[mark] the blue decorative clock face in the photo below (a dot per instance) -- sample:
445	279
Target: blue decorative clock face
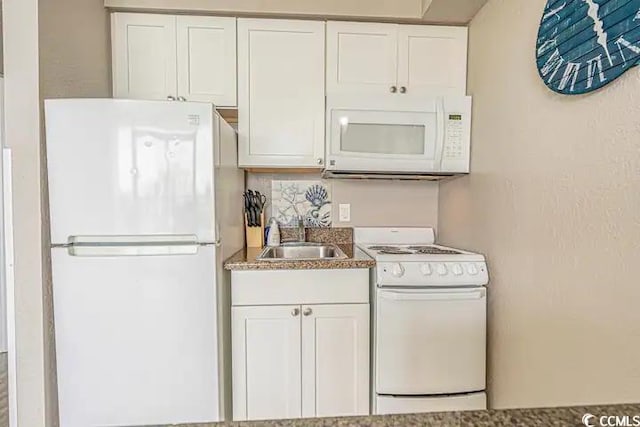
584	45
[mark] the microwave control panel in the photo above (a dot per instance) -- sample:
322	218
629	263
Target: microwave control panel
454	132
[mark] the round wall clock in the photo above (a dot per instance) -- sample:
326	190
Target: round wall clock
584	45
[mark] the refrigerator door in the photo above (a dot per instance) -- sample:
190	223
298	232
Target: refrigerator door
125	167
136	338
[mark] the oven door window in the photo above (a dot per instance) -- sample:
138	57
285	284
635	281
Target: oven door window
430	341
384	134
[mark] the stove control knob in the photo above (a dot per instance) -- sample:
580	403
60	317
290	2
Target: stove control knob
425	269
442	269
457	270
397	270
472	269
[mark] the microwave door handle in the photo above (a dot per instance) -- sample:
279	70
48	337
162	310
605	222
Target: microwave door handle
440	133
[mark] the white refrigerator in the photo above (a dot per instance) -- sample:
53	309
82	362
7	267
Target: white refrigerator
145	203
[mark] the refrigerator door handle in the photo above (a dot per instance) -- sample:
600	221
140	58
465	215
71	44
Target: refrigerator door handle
113	246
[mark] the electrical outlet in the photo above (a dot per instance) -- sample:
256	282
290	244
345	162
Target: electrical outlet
345	212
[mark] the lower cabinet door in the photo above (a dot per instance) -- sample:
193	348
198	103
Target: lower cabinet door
266	362
335	360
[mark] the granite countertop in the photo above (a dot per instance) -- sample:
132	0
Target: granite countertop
551	417
245	259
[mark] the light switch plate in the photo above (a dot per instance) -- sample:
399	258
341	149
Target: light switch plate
345	212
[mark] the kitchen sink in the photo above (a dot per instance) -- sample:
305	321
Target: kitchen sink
301	252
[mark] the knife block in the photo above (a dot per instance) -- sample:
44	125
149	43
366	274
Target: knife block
254	235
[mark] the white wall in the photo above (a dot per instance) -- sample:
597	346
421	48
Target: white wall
554	201
22	121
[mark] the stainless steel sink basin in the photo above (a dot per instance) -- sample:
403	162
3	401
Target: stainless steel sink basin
301	252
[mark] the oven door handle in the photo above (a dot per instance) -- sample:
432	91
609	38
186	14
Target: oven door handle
433	296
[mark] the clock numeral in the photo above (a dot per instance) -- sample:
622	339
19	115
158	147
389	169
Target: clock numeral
570	75
554	12
547	45
554	63
622	42
595	66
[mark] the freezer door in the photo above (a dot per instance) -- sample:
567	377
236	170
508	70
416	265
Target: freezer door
136	338
125	167
430	341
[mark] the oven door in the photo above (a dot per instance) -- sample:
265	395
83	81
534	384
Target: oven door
430	341
403	138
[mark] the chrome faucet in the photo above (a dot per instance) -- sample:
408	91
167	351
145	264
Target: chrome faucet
301	233
301	237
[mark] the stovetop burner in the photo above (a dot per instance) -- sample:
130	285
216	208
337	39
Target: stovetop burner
410	250
431	250
394	252
384	248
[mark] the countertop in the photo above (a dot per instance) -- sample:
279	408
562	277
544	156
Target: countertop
551	417
245	259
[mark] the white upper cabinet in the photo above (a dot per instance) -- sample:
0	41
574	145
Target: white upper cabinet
181	57
432	60
207	59
396	59
361	57
281	93
144	55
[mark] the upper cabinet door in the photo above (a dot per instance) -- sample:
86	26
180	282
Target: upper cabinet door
206	49
144	55
361	58
335	360
281	93
432	60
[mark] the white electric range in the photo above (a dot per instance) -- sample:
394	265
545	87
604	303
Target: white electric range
428	322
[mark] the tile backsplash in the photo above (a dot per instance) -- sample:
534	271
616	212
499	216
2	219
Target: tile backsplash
374	203
310	200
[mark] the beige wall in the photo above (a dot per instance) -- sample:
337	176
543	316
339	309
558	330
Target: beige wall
1	42
373	203
452	11
433	11
75	50
407	9
553	200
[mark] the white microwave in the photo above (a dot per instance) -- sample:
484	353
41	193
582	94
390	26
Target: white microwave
403	136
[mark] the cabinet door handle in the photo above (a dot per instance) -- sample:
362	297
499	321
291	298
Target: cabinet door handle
307	311
394	89
182	98
403	89
319	161
295	312
171	98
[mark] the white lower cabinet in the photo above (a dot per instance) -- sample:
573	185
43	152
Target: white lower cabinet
300	360
266	362
335	360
